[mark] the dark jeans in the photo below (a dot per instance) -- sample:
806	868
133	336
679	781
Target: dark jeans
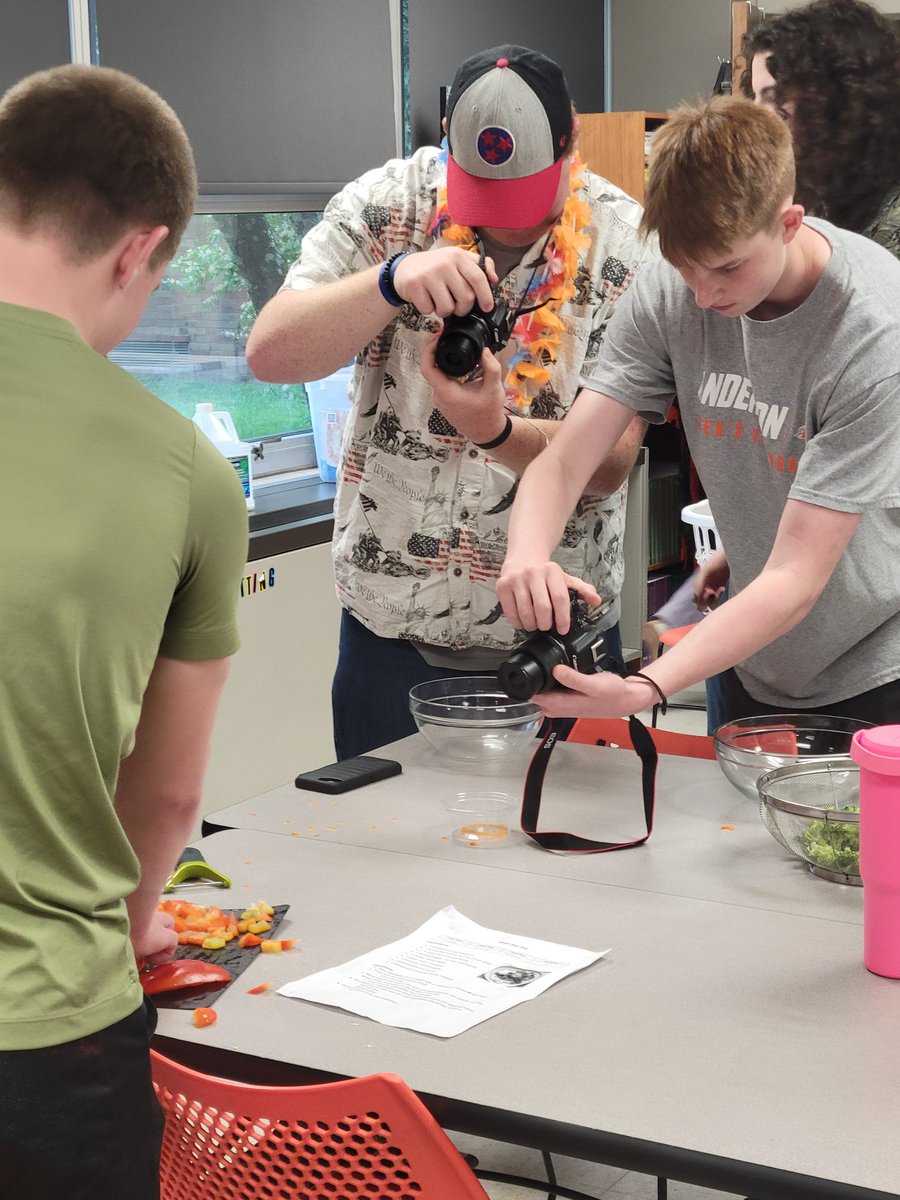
370	692
715	706
80	1120
881	706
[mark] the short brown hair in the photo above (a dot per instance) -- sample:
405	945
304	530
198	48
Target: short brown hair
89	153
719	170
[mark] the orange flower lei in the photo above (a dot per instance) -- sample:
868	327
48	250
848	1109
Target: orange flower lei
536	335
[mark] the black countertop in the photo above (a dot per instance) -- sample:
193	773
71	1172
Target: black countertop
291	516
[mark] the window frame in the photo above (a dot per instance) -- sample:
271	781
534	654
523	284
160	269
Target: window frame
276	454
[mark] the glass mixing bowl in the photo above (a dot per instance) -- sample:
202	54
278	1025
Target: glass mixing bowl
471	719
752	745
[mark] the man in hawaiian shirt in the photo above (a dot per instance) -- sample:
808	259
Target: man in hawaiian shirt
431	487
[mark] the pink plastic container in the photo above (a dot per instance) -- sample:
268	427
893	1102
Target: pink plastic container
877	751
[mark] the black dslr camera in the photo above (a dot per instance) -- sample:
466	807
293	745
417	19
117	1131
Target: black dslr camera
529	669
458	351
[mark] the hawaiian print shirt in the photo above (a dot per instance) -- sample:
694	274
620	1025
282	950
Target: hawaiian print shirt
885	226
420	521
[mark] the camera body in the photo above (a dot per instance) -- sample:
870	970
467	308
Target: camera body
462	339
529	669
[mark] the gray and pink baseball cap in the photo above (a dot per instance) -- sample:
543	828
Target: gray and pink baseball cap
509	127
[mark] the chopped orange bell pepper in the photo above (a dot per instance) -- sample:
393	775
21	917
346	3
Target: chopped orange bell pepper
275	945
204	1016
196	924
247	940
191	938
259	989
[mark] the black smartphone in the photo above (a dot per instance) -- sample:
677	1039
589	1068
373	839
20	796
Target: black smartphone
349	774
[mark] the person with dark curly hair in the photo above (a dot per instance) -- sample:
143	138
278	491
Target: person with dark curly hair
831	70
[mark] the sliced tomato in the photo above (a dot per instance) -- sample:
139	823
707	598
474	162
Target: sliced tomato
182	973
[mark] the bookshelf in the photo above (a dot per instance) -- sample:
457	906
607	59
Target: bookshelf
614	145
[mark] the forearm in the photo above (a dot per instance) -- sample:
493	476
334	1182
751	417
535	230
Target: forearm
774	603
546	496
617	465
158	829
161	782
309	333
529	438
596	431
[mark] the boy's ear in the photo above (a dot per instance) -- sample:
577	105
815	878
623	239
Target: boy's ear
134	251
791	222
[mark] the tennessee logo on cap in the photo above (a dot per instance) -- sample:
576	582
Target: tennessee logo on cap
495	145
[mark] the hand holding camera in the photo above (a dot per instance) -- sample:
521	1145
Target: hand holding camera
476	405
445	281
529	669
534	596
463	339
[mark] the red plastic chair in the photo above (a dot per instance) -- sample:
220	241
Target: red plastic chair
225	1140
612	731
671	637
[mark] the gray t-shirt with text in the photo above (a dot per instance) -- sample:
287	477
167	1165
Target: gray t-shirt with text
803	407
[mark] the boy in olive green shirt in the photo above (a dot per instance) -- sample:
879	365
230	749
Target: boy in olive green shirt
122	554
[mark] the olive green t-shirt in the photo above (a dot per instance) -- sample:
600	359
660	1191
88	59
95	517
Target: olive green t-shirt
123	535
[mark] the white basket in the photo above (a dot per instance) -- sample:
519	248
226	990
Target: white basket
706	537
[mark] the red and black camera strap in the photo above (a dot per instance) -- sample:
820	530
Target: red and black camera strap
555	730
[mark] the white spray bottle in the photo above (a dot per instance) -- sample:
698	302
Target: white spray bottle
219	428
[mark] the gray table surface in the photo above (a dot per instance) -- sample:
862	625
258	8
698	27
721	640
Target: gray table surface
588	790
737	1045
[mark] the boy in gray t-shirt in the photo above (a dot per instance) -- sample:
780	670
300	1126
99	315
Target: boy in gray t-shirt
781	338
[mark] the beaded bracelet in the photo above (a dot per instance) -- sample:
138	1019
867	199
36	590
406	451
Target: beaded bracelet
386	280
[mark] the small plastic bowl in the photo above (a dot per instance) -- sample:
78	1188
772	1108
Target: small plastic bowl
750	746
481	820
471	719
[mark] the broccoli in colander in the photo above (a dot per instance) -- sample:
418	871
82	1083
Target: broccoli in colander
834	845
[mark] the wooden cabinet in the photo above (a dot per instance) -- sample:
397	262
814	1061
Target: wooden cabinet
614	145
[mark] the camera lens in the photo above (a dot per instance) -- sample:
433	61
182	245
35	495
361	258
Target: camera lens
458	352
522	675
462	340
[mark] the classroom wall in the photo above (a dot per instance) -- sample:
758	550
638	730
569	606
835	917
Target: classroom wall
666	51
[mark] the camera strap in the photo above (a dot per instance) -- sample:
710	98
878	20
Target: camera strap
557	729
520	310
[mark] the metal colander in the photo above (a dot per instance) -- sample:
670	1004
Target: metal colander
812	809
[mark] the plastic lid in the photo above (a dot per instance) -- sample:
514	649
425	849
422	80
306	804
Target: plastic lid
878	749
204	408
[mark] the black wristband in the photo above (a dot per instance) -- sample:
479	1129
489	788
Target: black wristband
386	280
663	702
499	439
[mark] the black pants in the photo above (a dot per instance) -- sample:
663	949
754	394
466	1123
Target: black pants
881	706
80	1121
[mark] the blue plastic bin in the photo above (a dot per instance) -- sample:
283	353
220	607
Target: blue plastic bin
329	405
